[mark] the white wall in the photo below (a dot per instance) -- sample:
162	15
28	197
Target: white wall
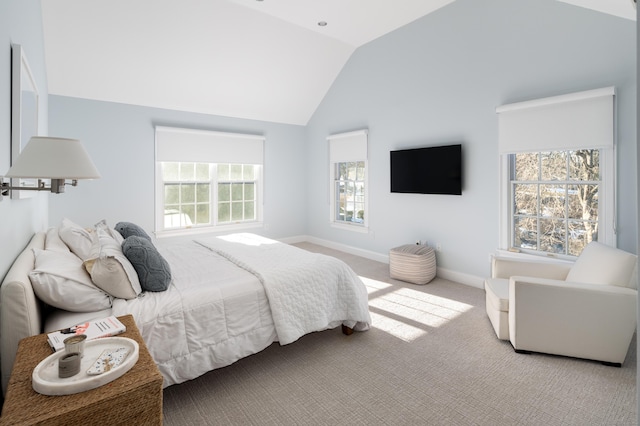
120	140
20	23
438	81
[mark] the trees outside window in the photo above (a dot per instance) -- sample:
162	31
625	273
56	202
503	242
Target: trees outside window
554	198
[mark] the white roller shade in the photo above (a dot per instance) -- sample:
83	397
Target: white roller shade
350	146
575	121
188	145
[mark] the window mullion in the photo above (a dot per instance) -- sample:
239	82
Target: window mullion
213	193
566	217
566	202
538	217
512	212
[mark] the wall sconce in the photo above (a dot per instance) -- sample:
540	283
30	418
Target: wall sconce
58	159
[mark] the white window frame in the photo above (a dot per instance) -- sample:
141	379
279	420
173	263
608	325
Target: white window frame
606	206
256	181
549	128
174	144
343	148
179	182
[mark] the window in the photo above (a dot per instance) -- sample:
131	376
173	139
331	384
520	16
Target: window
557	169
198	185
236	185
555	200
188	194
349	192
187	198
348	171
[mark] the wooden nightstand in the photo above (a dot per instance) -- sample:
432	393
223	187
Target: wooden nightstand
133	399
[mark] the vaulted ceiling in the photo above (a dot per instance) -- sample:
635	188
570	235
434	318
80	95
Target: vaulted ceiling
271	60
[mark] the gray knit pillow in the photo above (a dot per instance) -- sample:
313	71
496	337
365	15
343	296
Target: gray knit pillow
127	229
152	269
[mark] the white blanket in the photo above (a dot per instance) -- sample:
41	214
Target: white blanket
307	292
215	313
212	315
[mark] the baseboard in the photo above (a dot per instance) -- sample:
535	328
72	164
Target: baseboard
447	274
294	240
367	254
461	277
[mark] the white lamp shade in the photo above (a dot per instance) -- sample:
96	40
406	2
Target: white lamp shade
53	158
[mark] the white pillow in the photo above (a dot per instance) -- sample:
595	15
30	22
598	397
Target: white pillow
53	242
112	232
77	238
59	280
110	269
600	264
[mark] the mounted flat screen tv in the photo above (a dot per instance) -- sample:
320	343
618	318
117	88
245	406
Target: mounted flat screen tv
428	170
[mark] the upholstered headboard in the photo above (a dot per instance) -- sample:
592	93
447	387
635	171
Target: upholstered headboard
21	313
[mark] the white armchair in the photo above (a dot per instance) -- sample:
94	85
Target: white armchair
585	310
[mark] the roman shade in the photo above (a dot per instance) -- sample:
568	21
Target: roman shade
583	120
203	146
350	146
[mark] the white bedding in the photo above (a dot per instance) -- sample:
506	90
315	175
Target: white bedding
212	314
215	313
307	292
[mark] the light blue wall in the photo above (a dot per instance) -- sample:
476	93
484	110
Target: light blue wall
20	23
437	81
120	140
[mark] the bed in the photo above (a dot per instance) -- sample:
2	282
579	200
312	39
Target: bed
226	297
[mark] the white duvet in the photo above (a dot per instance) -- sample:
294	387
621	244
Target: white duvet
230	299
307	291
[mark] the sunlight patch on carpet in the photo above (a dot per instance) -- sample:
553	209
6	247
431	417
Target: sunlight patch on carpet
396	328
407	313
374	285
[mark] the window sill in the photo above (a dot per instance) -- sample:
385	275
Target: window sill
208	230
551	258
355	228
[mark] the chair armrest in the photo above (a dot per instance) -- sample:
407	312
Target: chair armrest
573	319
506	267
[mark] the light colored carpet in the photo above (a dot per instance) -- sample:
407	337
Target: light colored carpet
431	358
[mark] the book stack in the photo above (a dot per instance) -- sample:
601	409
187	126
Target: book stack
94	329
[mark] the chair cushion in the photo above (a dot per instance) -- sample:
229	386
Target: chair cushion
498	293
601	264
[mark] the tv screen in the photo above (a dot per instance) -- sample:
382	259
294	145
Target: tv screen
429	170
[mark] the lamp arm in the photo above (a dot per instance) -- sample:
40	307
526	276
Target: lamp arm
56	186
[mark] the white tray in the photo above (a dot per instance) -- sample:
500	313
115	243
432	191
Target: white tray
45	376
